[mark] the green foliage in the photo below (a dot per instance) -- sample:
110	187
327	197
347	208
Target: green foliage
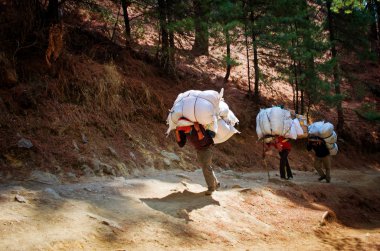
231	61
182	26
347	6
368	111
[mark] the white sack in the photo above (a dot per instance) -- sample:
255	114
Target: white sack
225	131
326	130
274	121
288	129
292	133
258	129
231	118
314	128
332	139
223	109
276	118
298	128
264	121
334	149
197	106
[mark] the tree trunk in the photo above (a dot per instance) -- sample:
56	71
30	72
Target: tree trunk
309	83
201	42
128	39
53	11
255	59
170	17
228	69
162	14
377	4
336	76
247	52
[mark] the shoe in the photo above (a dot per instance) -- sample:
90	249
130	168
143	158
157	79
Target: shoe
328	180
290	178
322	178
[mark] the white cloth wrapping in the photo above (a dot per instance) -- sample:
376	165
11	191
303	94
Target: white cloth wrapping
327	133
226	114
332	139
275	121
225	131
333	148
315	128
297	126
326	130
196	106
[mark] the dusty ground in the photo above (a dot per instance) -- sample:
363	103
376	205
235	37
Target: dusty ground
168	210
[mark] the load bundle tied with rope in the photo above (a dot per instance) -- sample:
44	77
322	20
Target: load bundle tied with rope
275	121
208	109
325	131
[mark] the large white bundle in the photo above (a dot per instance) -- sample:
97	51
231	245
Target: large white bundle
226	114
326	130
196	106
225	131
260	134
292	133
287	127
297	126
327	133
314	128
263	122
333	148
274	121
212	96
231	118
332	139
223	109
195	110
276	118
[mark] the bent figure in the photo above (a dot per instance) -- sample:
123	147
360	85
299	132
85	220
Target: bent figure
202	140
322	157
283	146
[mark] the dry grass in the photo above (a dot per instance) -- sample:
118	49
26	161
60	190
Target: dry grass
104	88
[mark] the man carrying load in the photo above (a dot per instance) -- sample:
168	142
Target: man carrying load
202	140
322	157
283	146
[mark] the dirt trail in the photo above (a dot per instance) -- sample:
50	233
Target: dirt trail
168	210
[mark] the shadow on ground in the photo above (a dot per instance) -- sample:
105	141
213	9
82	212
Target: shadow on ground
180	204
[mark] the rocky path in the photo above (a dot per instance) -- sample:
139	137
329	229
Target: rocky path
167	210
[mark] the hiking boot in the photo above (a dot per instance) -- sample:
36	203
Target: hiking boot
322	177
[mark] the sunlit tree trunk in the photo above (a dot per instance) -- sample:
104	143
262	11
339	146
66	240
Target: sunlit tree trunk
228	43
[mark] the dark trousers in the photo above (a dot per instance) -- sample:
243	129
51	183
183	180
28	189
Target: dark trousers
285	174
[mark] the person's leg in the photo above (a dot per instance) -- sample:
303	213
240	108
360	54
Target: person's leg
204	158
327	166
318	167
282	164
289	173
